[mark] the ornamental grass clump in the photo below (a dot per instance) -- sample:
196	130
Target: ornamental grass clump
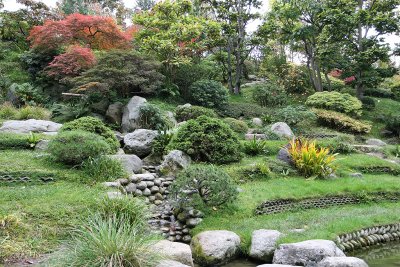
310	160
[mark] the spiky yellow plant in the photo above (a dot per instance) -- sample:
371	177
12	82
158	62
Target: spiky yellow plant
310	160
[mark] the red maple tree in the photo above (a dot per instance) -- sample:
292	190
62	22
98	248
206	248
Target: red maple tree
96	32
71	63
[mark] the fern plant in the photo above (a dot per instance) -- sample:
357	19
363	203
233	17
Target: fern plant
255	147
310	160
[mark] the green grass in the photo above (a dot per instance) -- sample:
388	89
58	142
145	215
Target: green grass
384	107
46	212
318	223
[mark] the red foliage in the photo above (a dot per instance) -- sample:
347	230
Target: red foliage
336	73
72	63
95	31
349	80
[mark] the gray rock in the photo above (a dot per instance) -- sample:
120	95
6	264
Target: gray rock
282	129
111	184
356	175
284	155
131	163
257	122
139	142
131	188
263	244
306	253
142	177
146	192
142	185
175	161
119	136
168	263
215	247
101	106
275	265
26	126
138	193
171	117
342	262
375	142
131	114
114	195
174	251
114	113
192	222
251	136
42	145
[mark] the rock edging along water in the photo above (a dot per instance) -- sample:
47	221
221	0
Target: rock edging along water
283	205
369	237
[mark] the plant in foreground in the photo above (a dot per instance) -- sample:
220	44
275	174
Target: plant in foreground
112	242
255	147
310	160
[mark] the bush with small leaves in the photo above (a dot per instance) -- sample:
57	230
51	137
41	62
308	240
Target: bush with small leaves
393	124
74	147
368	103
33	112
208	140
237	126
269	94
188	112
161	143
293	115
151	117
14	141
341	122
8	111
245	110
335	101
208	93
103	169
340	144
93	125
395	88
379	92
202	186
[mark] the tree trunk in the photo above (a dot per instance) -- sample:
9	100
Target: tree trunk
360	83
239	48
229	65
328	81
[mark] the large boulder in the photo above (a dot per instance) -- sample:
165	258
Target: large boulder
139	142
32	125
275	265
215	247
375	142
342	262
175	161
114	113
169	263
174	251
282	129
131	163
284	155
263	244
257	122
42	145
306	253
131	114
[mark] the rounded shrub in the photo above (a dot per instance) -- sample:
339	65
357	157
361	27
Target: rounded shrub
74	147
269	94
237	126
336	101
208	140
368	103
208	93
93	125
341	122
202	186
188	112
293	115
151	117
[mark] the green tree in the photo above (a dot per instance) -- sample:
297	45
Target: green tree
359	28
172	33
235	15
145	4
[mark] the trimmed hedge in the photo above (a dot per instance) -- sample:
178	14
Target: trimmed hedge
74	147
341	122
336	101
208	140
188	112
93	125
208	93
237	126
246	110
14	141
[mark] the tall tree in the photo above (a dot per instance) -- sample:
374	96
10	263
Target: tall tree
235	15
359	27
172	33
145	4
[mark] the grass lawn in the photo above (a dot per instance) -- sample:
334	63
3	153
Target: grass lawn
46	212
317	223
